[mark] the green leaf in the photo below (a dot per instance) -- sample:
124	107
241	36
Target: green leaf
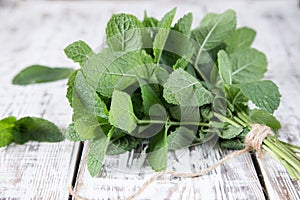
100	108
178	49
6	126
121	113
264	94
150	96
137	103
248	65
149	21
160	75
79	52
183	89
71	133
85	102
234	144
212	31
230	132
36	129
110	70
123	144
41	74
184	24
180	138
162	35
158	151
235	97
225	66
70	88
123	33
241	38
97	152
262	117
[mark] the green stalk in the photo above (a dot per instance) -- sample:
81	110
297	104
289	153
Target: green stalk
285	148
294	148
282	152
245	119
286	165
172	123
241	122
226	119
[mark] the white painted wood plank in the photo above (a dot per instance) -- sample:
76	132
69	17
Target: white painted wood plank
56	24
34	170
124	174
285	71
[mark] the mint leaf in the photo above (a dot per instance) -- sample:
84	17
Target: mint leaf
262	117
230	132
150	96
212	31
180	138
70	88
160	75
183	89
184	24
123	144
234	144
123	33
178	49
97	152
164	27
36	129
110	70
121	113
264	94
150	22
225	65
235	98
158	151
79	52
6	126
248	65
241	38
41	74
72	135
84	103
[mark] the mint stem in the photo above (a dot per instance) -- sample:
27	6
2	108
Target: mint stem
172	123
282	152
225	119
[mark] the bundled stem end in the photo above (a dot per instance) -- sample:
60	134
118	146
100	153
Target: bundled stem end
285	153
261	138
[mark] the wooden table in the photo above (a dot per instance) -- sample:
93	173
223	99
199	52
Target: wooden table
37	32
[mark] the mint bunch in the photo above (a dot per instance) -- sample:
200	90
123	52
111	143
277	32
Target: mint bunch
156	86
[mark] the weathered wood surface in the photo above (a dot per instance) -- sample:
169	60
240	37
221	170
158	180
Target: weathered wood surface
37	32
34	170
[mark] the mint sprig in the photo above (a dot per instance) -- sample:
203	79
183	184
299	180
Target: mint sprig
28	129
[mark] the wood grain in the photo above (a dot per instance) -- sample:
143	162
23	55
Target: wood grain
36	32
124	174
34	170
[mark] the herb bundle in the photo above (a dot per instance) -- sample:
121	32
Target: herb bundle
172	87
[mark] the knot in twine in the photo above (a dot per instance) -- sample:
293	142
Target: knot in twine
256	136
253	140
